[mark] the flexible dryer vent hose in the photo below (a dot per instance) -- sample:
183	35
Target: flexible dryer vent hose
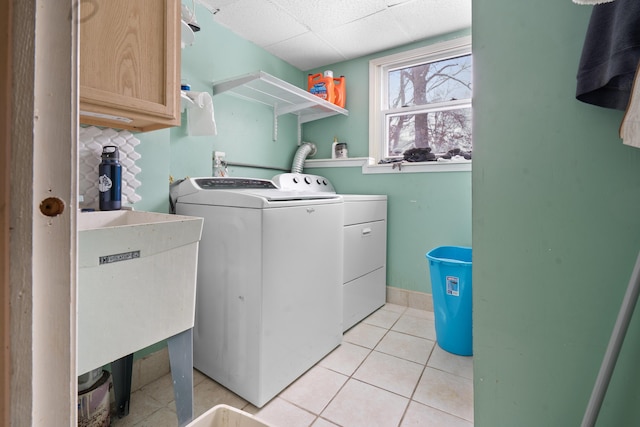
306	149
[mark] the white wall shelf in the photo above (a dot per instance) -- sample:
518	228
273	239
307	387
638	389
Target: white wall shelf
282	97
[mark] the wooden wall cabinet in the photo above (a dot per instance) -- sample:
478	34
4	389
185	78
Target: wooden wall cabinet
130	64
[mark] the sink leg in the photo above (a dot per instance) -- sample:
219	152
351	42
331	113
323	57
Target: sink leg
121	372
181	360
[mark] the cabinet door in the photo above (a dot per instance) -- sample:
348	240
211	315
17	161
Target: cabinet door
129	63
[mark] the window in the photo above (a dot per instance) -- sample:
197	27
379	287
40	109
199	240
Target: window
421	100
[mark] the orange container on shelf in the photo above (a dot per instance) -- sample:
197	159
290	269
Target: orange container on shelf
341	91
322	86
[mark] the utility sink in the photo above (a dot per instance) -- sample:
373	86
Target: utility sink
136	282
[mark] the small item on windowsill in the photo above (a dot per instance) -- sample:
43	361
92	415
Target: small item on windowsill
456	154
341	150
390	160
424	154
419	155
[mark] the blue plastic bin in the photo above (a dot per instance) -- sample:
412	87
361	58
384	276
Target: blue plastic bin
450	268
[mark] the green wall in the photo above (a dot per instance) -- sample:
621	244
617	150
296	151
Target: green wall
556	228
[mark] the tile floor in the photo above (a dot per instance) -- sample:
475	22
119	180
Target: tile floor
388	372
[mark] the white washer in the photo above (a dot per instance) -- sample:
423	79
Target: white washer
269	290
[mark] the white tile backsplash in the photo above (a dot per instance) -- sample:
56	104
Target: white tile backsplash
91	141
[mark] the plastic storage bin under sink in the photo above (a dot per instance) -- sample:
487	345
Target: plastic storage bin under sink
136	281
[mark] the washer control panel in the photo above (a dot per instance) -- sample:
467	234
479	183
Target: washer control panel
303	182
227	183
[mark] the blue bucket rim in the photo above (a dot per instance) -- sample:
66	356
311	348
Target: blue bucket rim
449	260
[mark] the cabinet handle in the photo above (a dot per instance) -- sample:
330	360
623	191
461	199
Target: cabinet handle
366	231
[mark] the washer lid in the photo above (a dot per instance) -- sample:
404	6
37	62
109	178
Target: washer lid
246	192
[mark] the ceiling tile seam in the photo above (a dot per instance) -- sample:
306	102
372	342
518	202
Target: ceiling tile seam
303	23
326	43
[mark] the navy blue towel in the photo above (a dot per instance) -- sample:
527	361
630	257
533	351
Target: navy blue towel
610	54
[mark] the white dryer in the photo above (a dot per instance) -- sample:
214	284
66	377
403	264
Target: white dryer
365	245
365	256
269	286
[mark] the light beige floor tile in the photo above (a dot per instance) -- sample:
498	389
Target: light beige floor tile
208	394
424	314
383	318
394	307
447	392
314	389
164	417
405	346
160	389
452	363
346	358
362	405
198	377
323	423
390	373
141	406
419	415
281	413
417	326
127	421
365	335
250	408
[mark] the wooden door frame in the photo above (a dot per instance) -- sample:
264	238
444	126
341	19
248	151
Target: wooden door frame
5	155
41	211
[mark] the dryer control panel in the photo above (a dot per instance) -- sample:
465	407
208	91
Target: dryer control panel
303	182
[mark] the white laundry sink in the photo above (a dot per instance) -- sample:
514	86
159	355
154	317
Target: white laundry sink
136	282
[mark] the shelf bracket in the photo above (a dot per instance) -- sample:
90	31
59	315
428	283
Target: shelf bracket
276	114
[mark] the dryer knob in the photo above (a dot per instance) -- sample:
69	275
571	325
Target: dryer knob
307	180
295	179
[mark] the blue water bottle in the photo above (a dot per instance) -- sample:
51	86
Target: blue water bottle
110	179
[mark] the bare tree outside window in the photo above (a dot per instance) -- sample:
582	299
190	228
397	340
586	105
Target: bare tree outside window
429	105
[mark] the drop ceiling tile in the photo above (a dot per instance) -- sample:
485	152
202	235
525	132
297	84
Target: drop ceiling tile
261	22
306	51
214	4
371	34
322	15
424	19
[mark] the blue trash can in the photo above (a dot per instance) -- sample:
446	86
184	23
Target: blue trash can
450	268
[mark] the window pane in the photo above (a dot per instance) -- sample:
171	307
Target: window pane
440	130
427	83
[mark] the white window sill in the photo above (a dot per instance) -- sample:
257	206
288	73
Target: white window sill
369	166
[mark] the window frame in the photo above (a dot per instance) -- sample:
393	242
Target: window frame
378	90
